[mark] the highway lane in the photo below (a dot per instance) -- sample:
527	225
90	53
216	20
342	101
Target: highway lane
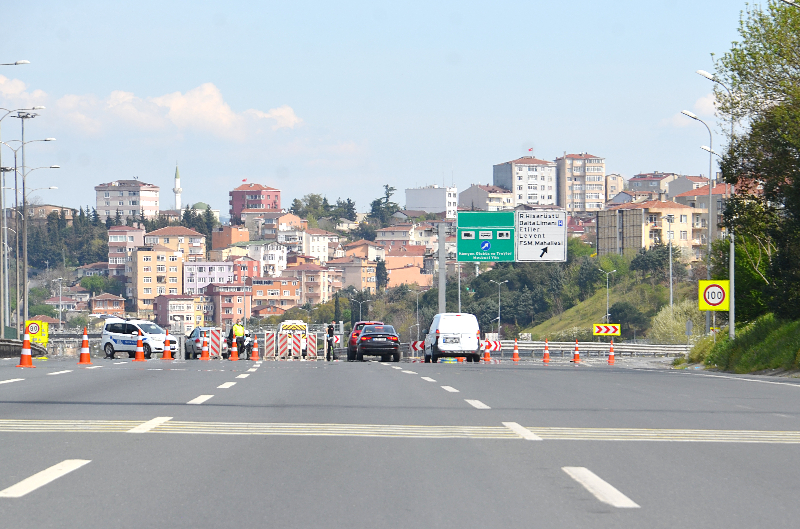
240	472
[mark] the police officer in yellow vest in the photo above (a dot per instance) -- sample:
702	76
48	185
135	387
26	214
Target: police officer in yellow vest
236	333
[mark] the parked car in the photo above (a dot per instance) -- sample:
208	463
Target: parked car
377	340
453	334
352	343
122	336
193	346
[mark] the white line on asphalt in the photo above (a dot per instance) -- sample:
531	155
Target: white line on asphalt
149	425
395	367
60	372
428	379
599	488
226	385
477	404
385	364
748	380
10	380
154	369
252	370
93	367
450	389
43	478
410	372
199	400
522	431
243	375
118	363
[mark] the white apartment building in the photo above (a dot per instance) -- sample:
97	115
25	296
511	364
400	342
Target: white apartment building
581	182
270	255
433	199
530	181
478	197
317	242
131	198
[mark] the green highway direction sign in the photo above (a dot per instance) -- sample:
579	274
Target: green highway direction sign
485	236
527	235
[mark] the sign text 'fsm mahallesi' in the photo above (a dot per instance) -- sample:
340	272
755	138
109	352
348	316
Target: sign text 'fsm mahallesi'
541	235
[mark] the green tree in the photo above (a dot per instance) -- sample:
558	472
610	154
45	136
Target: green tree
630	318
381	274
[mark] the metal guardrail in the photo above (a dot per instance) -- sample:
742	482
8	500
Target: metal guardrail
598	348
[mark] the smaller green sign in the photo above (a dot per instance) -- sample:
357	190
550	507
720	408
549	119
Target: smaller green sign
482	219
485	244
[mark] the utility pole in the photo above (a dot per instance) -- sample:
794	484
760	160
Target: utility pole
442	267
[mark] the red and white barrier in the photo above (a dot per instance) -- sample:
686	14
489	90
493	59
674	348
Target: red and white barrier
269	345
283	345
418	346
311	346
491	345
297	345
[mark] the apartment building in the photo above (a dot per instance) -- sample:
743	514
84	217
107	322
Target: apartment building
184	240
402	234
283	292
244	267
315	286
155	270
685	183
180	314
317	243
122	241
107	305
38	213
615	185
357	272
198	275
228	303
224	236
131	198
266	225
270	255
371	251
478	197
530	180
581	182
698	199
254	197
433	199
633	226
655	183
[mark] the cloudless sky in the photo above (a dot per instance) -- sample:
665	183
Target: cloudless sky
340	98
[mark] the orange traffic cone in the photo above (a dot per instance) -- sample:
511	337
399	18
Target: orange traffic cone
515	356
204	350
254	354
487	356
234	357
460	358
611	353
139	350
546	356
25	355
576	357
167	349
84	358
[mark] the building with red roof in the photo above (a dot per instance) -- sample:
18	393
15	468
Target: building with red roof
253	196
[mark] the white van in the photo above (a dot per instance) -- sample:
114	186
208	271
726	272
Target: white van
453	334
293	327
120	336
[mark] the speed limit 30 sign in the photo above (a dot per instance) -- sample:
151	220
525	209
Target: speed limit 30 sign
714	295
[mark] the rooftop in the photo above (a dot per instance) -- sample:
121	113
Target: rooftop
170	231
719	189
651	204
255	187
530	160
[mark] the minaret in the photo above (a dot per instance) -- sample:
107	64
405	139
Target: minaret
177	189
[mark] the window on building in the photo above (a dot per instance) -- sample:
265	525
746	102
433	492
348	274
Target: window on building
173	258
147	280
684	235
173	279
161	268
160	290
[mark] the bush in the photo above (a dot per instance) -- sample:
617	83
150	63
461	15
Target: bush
766	343
701	349
669	325
575	333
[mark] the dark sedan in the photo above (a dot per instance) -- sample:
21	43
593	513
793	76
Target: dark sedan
378	340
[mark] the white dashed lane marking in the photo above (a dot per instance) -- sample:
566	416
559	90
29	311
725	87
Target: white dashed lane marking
478	404
226	385
243	375
10	380
450	389
521	431
428	379
118	363
410	372
199	400
93	367
395	367
149	425
600	489
43	478
252	370
60	372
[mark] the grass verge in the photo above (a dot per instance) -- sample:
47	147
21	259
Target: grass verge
766	343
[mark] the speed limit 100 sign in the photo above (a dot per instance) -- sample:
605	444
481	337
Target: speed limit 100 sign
715	295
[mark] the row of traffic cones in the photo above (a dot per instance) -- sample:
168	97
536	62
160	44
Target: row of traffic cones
576	357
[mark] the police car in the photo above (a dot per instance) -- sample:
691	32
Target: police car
120	336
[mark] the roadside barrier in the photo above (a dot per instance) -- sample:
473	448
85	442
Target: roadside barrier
297	345
214	343
576	358
167	355
611	354
254	354
546	354
535	349
139	349
204	350
234	356
311	346
85	358
269	345
283	346
515	357
25	355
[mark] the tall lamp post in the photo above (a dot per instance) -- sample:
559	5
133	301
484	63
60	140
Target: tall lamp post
607	274
732	312
710	206
498	303
359	306
670	234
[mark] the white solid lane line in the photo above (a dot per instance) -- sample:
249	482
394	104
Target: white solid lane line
43	478
478	404
522	431
252	370
199	400
10	380
599	488
429	379
409	372
226	385
149	425
243	375
60	372
746	379
450	389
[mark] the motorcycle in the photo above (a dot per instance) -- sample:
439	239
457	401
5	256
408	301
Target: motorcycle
244	346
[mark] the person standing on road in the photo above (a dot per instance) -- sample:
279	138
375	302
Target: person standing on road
331	330
237	332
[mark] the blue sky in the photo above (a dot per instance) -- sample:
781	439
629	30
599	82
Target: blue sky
341	98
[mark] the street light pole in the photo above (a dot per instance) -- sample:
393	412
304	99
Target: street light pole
360	318
607	274
710	206
670	235
498	303
60	285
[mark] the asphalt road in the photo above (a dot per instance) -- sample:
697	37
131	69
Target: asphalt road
366	445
